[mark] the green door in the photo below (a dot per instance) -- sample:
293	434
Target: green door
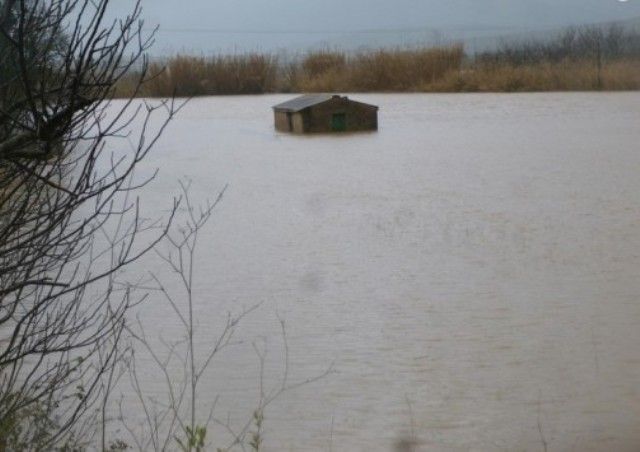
339	122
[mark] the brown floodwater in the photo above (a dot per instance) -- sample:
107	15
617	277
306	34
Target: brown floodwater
471	271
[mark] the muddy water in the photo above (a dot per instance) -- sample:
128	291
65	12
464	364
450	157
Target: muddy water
471	271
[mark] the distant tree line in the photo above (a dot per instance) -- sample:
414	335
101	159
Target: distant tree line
574	43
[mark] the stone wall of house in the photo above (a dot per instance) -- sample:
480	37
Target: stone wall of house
319	118
359	116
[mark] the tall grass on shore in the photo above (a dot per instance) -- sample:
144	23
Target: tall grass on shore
376	71
187	76
588	58
578	59
318	71
571	75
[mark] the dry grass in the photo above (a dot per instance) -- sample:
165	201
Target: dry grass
571	62
563	76
186	76
381	70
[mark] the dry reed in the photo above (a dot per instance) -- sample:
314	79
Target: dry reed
582	75
578	59
186	76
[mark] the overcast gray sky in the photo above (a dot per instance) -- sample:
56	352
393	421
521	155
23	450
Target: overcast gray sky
214	25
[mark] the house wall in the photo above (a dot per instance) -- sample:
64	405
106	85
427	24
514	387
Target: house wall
282	122
319	118
359	116
299	123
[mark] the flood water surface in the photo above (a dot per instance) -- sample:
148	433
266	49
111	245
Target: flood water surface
470	272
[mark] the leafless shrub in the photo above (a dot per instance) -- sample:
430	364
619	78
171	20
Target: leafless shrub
69	218
174	419
573	44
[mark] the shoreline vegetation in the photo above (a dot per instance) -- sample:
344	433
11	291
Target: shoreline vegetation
578	59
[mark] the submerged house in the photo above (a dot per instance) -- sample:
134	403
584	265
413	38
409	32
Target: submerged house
321	113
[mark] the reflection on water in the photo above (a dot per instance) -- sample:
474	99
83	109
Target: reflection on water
472	269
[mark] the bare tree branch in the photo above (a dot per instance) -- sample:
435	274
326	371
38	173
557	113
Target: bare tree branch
70	221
